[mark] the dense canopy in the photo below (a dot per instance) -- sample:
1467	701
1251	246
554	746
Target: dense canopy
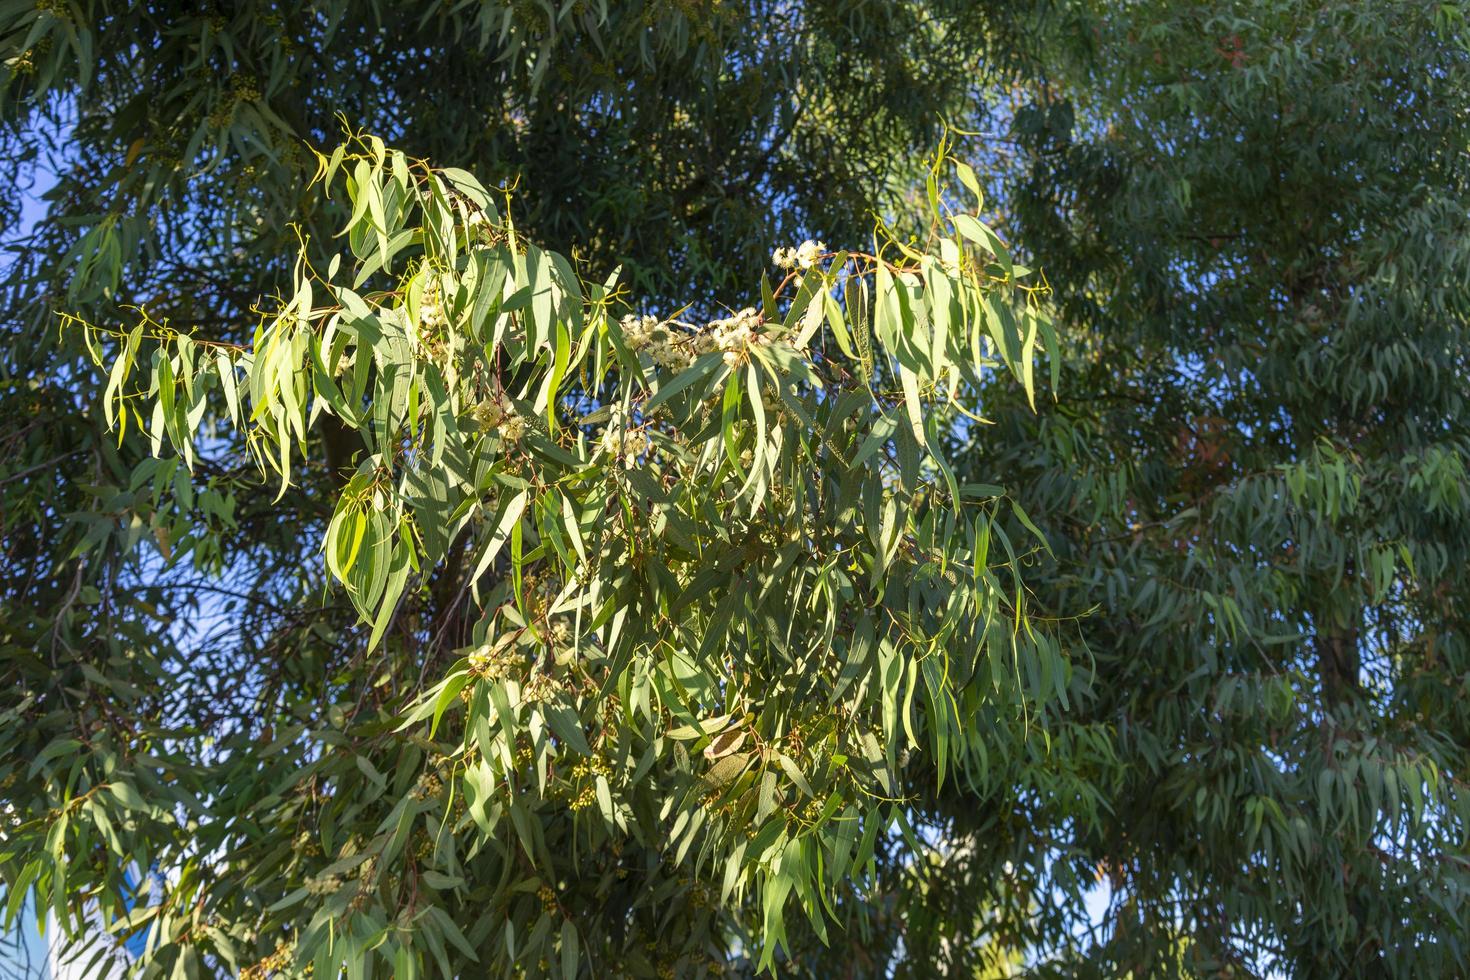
443	539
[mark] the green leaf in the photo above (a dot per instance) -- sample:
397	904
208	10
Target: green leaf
568	727
510	516
570	951
128	796
912	403
449	693
794	774
727	769
707	726
967	177
697	371
1025	519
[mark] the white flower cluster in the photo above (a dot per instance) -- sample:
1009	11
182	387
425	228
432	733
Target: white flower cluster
638	330
624	441
481	661
731	335
431	307
627	444
652	337
804	256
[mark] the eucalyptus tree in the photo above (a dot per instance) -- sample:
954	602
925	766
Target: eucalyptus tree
168	628
631	635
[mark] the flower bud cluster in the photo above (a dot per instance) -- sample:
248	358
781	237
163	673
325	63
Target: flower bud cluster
272	965
592	766
540	687
588	769
428	785
491	663
584	798
499	414
322	885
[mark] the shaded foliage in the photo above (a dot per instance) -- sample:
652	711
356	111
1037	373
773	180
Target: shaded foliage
1255	215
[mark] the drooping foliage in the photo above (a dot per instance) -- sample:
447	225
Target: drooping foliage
718	604
169	628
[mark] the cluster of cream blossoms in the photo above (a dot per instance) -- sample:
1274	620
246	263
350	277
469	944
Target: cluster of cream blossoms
803	256
427	785
732	334
675	350
625	442
494	661
431	306
653	337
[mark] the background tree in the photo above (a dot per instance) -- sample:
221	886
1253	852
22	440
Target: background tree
1255	218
